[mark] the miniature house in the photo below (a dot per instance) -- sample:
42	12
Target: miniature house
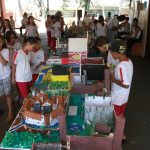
40	113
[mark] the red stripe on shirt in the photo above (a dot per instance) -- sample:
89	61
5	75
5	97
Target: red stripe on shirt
15	56
121	74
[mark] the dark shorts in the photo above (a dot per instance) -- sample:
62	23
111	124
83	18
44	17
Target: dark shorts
5	86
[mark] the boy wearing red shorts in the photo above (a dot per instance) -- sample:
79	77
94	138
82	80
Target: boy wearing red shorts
21	71
121	78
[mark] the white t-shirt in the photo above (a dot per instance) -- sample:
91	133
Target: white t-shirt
24	21
36	59
100	30
57	27
4	70
52	31
12	50
113	22
31	31
123	72
23	70
111	60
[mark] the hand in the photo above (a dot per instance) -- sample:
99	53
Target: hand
112	76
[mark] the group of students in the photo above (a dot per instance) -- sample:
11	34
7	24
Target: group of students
28	23
114	27
19	67
20	63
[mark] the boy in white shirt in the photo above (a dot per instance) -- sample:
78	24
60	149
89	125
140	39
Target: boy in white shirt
21	71
121	78
37	59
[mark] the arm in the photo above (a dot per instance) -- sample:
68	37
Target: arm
41	63
14	74
37	19
119	82
2	60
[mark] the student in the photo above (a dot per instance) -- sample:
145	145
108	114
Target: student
101	28
21	71
31	28
12	22
5	79
108	17
24	22
6	26
37	59
13	44
48	28
102	47
121	78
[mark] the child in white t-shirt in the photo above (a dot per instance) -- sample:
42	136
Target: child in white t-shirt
21	71
37	60
12	44
121	77
24	22
5	79
31	28
56	31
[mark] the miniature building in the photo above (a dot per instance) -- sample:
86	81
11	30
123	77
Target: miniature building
42	112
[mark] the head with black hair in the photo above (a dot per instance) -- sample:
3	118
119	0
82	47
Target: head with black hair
100	44
30	43
101	20
38	45
117	48
101	40
6	25
121	18
109	14
135	22
11	37
31	21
